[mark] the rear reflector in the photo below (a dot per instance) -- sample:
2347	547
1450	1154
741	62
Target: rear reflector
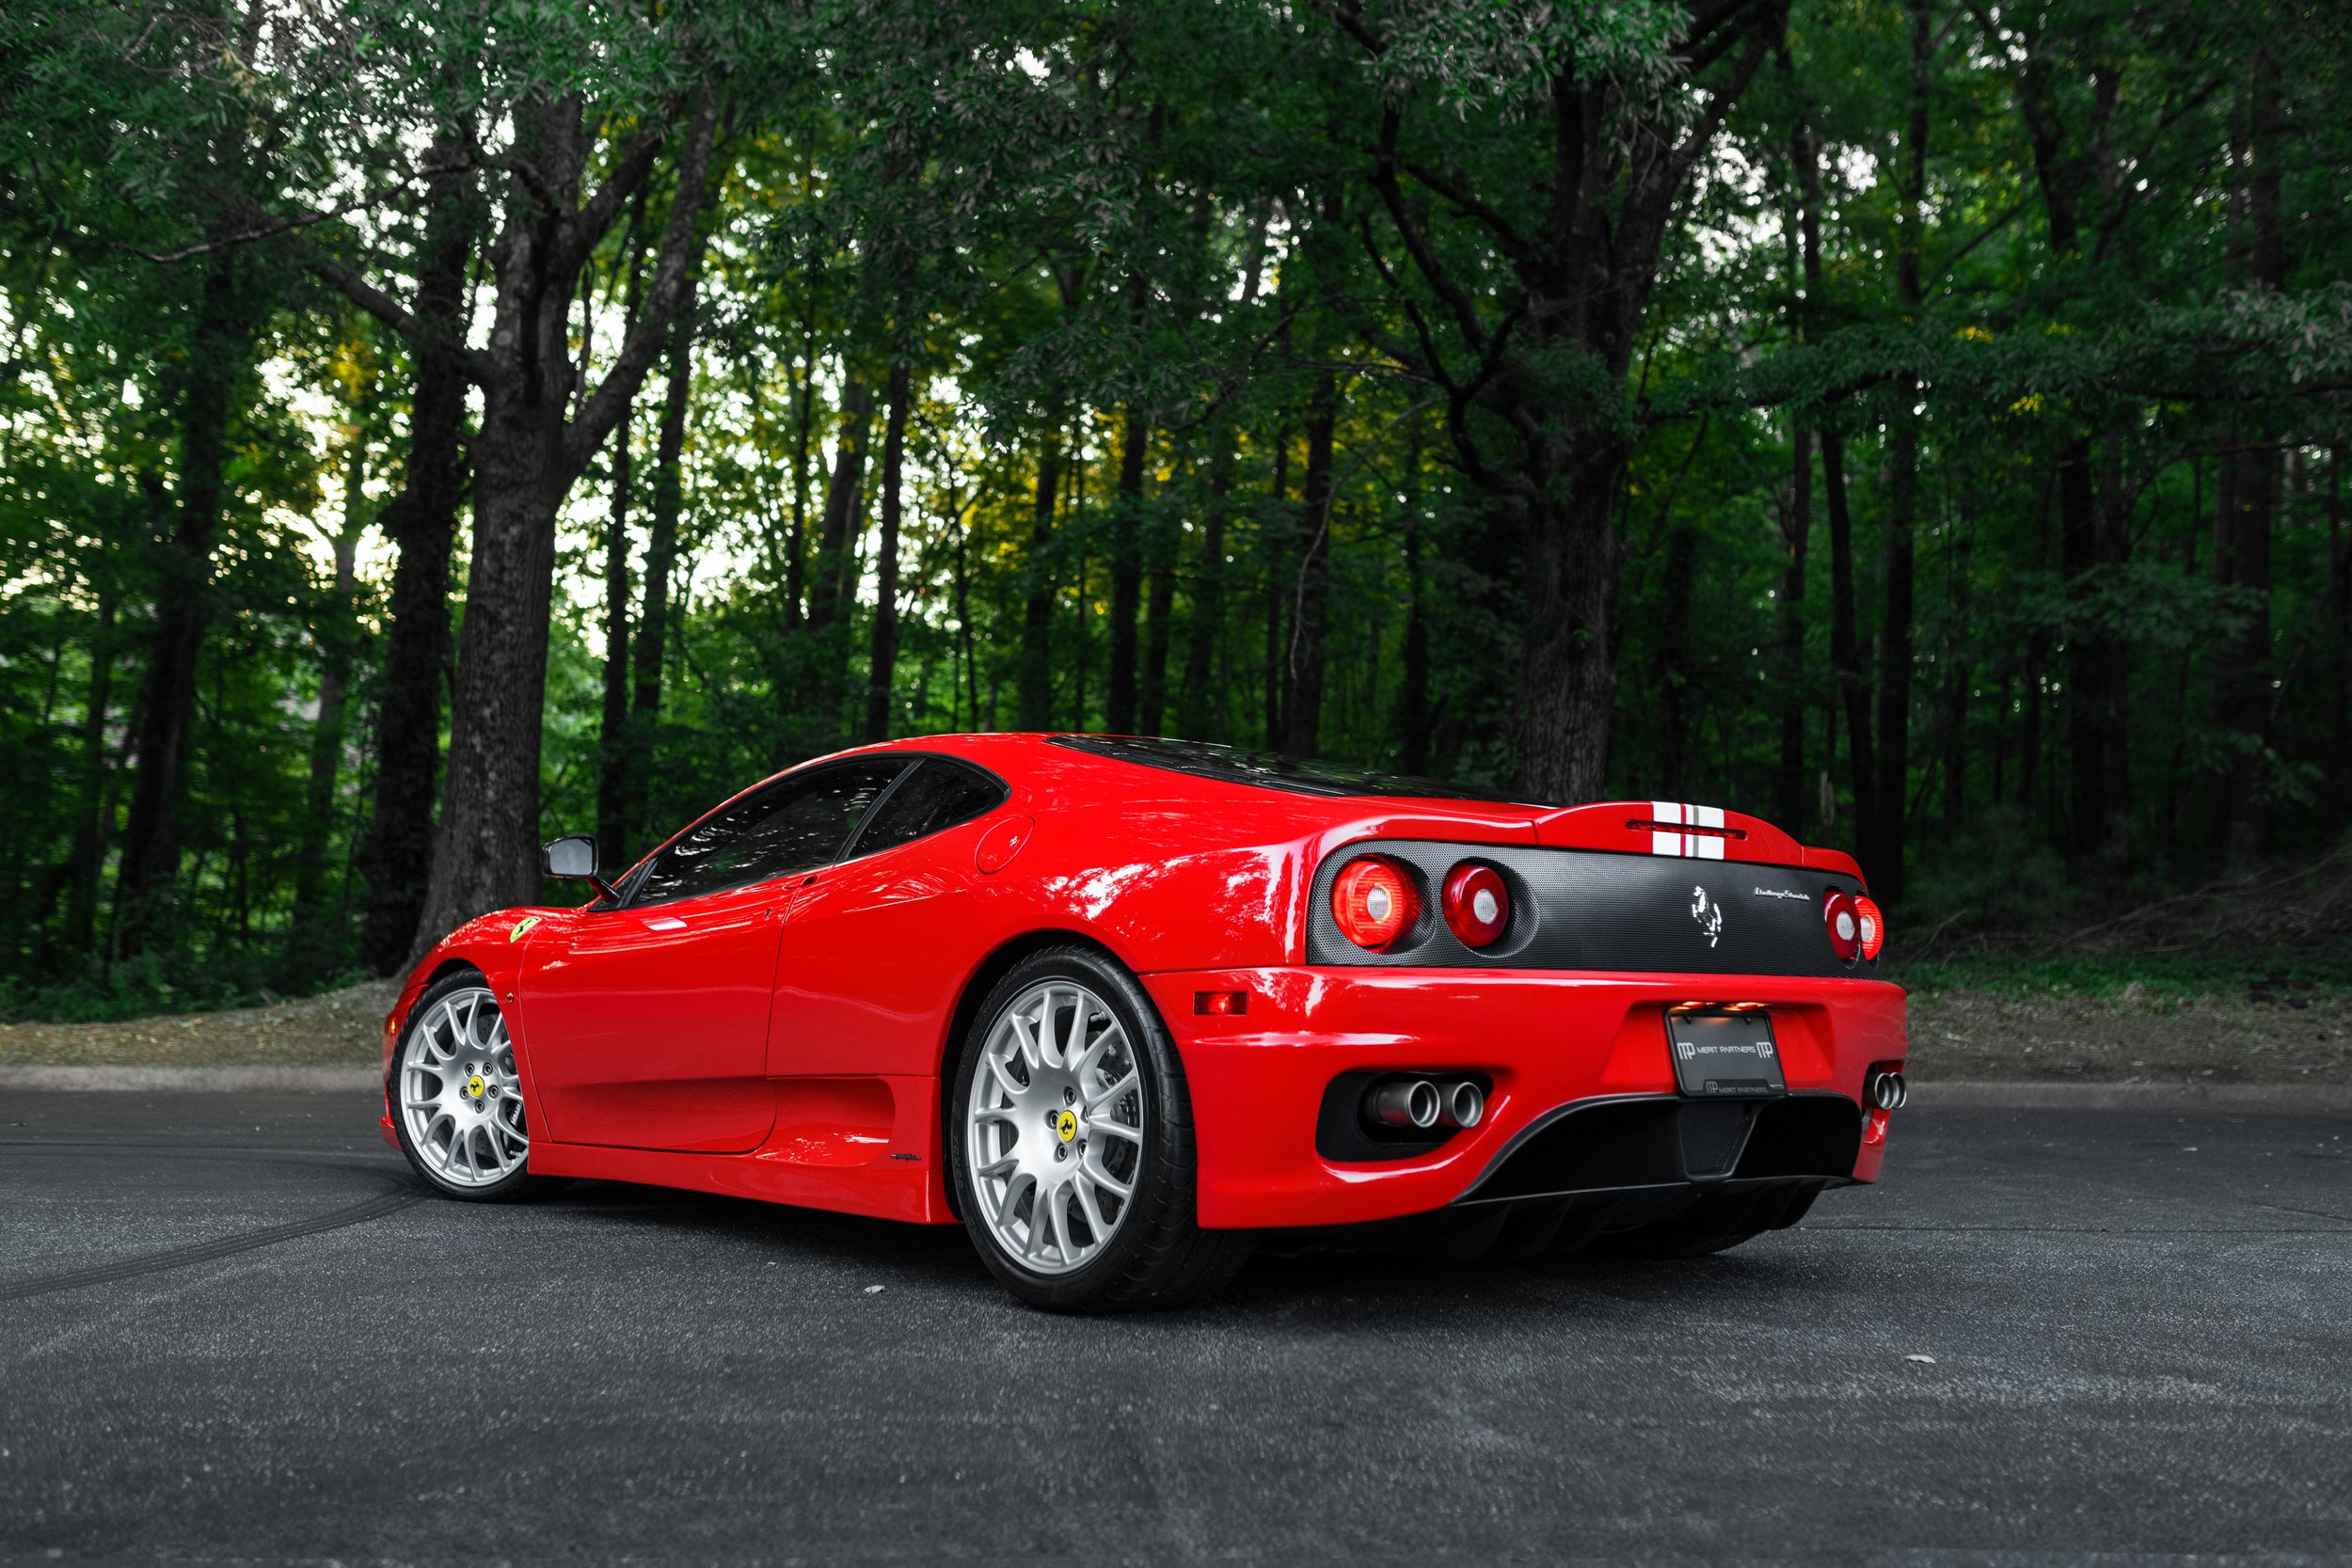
1220	1003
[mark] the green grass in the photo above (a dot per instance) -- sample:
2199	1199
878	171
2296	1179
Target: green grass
146	987
2266	973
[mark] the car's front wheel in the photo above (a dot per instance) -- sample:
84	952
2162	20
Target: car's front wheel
1072	1143
458	1103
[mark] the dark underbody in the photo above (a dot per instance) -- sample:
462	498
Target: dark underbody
1600	1167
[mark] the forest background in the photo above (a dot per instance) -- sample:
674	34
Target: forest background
426	429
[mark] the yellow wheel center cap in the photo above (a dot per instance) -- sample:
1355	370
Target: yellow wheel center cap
475	1087
1066	1125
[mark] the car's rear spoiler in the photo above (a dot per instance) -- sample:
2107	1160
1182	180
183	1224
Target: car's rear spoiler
1680	829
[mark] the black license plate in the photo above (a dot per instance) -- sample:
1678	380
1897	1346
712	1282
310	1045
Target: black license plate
1725	1055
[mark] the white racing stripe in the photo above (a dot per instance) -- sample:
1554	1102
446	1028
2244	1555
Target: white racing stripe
1664	841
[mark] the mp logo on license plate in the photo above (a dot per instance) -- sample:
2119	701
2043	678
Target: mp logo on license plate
1725	1055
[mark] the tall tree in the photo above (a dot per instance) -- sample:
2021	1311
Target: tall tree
655	632
1126	570
530	451
616	763
883	660
336	633
1526	297
229	295
1310	592
421	520
1882	855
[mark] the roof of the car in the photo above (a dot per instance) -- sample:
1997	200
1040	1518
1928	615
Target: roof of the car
1132	766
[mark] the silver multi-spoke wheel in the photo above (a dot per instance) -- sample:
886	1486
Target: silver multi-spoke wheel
1053	1127
460	1102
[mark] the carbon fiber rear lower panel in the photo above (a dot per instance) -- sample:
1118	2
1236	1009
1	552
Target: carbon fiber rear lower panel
1592	910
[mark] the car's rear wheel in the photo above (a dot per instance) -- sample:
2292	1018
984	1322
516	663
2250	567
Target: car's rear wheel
1072	1143
456	1099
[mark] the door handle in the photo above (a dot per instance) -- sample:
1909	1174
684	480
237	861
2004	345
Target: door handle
665	923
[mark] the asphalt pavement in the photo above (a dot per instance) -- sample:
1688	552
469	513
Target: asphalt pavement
233	1327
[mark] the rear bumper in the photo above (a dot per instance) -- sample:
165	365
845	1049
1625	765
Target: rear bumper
1559	1049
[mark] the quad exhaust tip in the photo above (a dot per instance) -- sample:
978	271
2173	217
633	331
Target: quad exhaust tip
1423	1103
1888	1091
1404	1102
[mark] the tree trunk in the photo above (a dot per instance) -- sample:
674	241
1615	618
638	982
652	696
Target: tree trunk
614	761
1126	572
1208	603
1959	676
88	854
1796	530
1675	635
1413	701
151	844
1797	533
1275	547
1581	276
1082	579
883	666
1845	643
1568	683
1303	667
335	639
2089	702
422	522
843	493
669	494
1035	685
1159	604
1882	861
528	456
804	429
2242	699
2338	799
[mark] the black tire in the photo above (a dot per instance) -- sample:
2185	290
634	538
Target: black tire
1711	1225
1157	1254
513	1185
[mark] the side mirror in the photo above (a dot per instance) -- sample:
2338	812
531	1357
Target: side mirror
573	858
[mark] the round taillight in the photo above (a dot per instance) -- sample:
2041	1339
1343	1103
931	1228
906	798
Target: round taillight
1477	905
1845	925
1873	926
1372	902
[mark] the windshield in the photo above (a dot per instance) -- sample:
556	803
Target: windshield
1272	770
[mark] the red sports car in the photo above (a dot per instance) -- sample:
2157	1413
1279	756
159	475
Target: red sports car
1123	1006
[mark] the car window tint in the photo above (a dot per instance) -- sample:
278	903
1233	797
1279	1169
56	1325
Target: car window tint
798	823
940	794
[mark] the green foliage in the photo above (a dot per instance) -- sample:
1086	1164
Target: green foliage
1060	219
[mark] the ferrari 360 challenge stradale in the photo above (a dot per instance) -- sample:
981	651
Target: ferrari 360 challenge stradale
1123	1006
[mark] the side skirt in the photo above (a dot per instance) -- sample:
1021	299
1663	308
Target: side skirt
866	1146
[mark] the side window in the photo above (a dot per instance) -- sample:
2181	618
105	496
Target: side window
798	823
939	796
